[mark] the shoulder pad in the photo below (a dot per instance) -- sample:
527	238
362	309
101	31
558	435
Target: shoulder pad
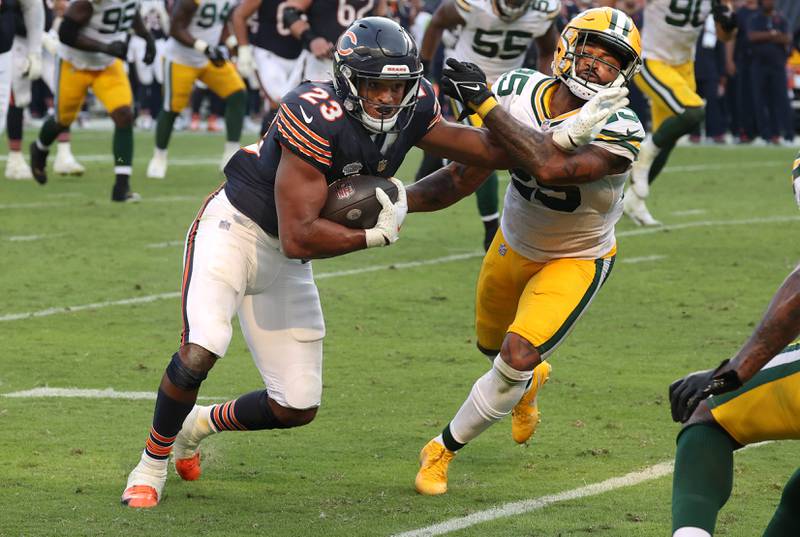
309	117
465	7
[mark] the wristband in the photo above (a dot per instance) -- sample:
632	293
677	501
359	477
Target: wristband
485	107
200	46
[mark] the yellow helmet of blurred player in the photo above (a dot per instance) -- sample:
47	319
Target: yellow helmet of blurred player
610	28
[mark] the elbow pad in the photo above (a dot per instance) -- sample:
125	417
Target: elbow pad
68	31
292	15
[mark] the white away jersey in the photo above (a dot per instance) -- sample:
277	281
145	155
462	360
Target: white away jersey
111	20
206	24
671	29
549	222
497	46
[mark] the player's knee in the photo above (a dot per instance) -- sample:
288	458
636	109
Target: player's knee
293	417
701	416
196	358
695	115
122	116
520	353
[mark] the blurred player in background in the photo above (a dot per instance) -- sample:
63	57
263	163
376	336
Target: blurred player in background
556	244
753	397
669	42
150	76
194	52
94	42
318	25
33	15
494	35
273	54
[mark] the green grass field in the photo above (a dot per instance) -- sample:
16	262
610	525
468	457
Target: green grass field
399	359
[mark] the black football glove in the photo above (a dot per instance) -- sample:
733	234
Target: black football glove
466	83
724	15
150	49
118	49
686	393
218	55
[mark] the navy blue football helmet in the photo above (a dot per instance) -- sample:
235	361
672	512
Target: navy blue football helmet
377	48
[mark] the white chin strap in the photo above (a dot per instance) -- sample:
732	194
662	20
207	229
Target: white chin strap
583	89
378	125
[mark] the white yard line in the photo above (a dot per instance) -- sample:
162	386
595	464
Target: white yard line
650	473
168	244
28	238
187	161
81	203
643	259
108	393
689	212
707	223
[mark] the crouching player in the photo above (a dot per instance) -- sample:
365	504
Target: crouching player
753	397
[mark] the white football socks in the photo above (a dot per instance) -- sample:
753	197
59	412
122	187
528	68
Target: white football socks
492	397
691	532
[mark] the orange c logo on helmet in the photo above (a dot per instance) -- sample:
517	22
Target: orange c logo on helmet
353	42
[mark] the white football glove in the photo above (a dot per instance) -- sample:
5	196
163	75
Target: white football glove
387	229
50	43
34	70
245	63
582	128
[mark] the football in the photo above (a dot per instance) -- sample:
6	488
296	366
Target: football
352	202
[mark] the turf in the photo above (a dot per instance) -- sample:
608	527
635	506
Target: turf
399	359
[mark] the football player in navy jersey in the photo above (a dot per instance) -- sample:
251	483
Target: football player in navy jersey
245	251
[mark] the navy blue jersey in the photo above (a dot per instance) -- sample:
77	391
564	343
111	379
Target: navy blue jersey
272	34
323	22
313	125
7	24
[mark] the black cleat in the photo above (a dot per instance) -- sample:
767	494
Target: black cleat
38	163
125	196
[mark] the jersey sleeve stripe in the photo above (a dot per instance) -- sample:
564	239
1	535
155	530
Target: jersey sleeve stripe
796	168
317	138
435	120
303	150
298	137
633	147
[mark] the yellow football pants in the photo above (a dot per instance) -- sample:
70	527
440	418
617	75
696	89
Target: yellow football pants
179	80
767	407
110	85
671	89
539	301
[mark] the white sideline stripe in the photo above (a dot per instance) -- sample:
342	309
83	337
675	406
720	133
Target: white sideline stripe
689	212
324	275
704	167
172	161
26	238
643	259
175	294
108	393
167	244
650	473
708	223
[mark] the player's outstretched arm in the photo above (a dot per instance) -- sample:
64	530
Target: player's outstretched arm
33	15
779	327
241	13
444	187
300	195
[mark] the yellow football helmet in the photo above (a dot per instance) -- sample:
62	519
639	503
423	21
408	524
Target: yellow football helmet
605	26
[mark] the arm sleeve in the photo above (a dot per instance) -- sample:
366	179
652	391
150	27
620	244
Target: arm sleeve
33	15
622	135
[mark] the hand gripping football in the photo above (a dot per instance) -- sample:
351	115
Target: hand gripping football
352	202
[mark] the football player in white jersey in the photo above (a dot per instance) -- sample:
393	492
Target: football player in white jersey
575	142
94	41
494	35
193	53
667	78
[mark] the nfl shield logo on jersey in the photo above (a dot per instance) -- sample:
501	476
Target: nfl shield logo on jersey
502	249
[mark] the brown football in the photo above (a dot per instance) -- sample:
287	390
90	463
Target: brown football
352	202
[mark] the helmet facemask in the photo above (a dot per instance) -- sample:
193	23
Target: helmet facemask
575	47
354	102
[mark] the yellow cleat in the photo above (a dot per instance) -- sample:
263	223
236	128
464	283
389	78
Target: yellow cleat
525	416
433	462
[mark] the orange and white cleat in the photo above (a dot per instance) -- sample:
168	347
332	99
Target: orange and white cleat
434	459
145	484
525	415
186	450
